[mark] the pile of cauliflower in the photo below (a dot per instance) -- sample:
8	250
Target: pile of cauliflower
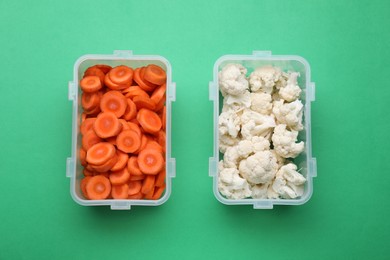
258	129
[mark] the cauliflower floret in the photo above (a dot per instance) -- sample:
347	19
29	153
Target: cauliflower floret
226	141
231	185
244	148
263	79
259	168
288	182
289	113
256	124
232	80
279	159
259	144
261	102
284	142
230	157
282	82
291	91
271	194
238	102
229	123
259	191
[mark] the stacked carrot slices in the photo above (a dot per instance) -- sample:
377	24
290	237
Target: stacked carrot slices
123	132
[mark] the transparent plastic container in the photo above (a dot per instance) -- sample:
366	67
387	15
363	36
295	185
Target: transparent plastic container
305	161
74	170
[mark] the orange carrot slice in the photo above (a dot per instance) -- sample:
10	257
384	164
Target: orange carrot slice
137	177
158	94
119	177
95	71
160	178
122	161
131	110
87	125
103	67
164	118
134	91
100	153
82	155
128	141
134	127
121	75
111	85
106	166
132	166
141	83
89	139
134	187
152	144
90	84
120	191
158	191
150	161
144	102
149	120
136	196
98	187
113	101
88	172
155	74
83	184
90	101
107	124
148	184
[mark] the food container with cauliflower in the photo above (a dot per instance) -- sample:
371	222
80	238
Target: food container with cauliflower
262	133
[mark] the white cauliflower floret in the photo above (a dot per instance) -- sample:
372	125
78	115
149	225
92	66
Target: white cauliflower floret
259	144
226	141
259	191
289	113
291	91
279	159
271	193
263	79
261	102
282	82
238	102
229	123
231	185
232	80
259	168
288	182
256	124
244	148
230	157
284	142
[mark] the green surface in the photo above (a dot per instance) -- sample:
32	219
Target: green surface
347	45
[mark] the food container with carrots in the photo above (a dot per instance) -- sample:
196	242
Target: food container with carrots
121	128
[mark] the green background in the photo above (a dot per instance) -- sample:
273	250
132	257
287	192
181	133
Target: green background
347	45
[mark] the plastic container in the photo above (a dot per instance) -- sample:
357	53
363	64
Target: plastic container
73	166
305	160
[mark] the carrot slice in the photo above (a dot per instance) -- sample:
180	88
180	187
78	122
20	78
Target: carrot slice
94	111
98	187
106	166
149	120
83	117
107	125
89	139
111	85
90	101
135	128
158	93
83	184
90	84
144	141
134	187
103	67
150	161
144	102
100	153
160	105
113	101
160	178
87	172
122	161
158	191
136	196
119	177
149	195
111	140
134	91
87	125
141	83
105	174
131	110
152	144
155	74
132	166
95	71
164	118
128	141
82	155
148	184
121	75
137	177
120	191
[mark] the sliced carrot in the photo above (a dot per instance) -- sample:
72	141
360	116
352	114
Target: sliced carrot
122	161
107	125
98	187
158	93
136	196
87	172
150	84
103	67
82	155
150	161
100	153
93	112
119	177
160	105
87	125
121	75
150	194
158	191
164	118
141	83
83	184
111	140
106	166
89	168
149	120
155	74
161	139
111	85
144	141
134	91
160	178
90	84
105	174
83	117
137	177
95	71
90	101
132	166
128	141
131	110
144	102
89	139
134	187
120	191
134	127
113	101
152	144
148	184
